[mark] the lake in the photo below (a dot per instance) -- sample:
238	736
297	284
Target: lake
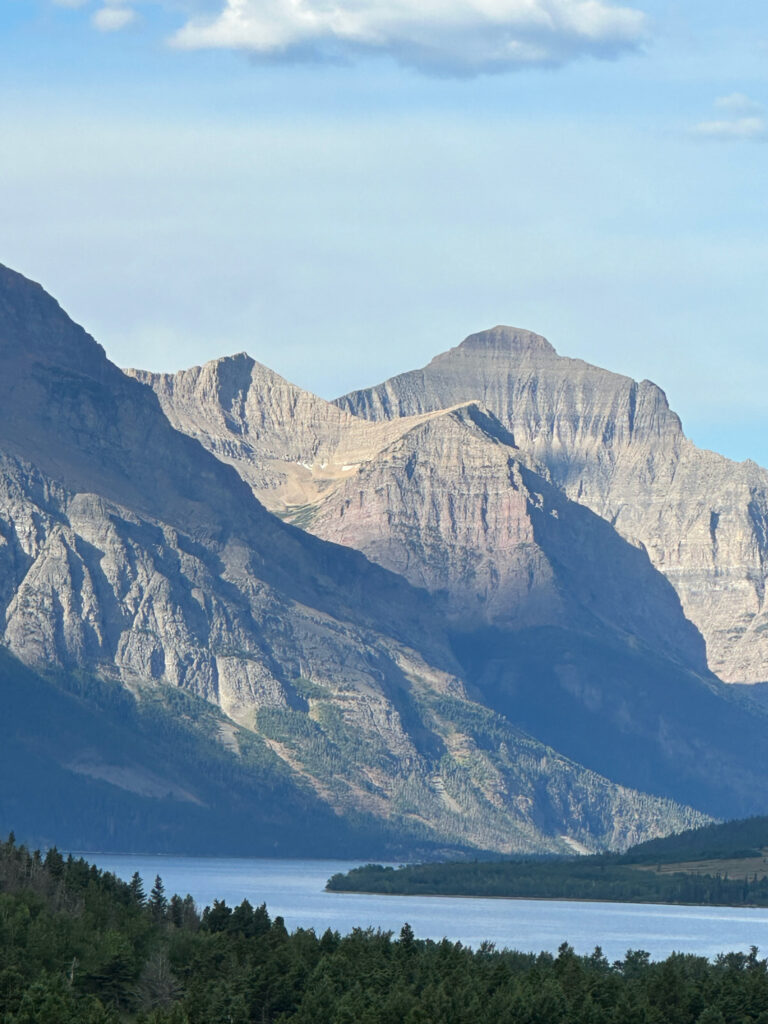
294	890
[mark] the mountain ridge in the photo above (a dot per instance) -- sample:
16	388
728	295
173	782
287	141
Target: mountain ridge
614	445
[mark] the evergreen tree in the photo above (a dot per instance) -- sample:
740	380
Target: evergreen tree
136	887
157	901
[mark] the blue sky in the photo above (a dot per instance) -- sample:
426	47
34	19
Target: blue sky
346	190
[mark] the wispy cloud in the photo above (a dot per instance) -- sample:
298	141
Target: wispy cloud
113	18
738	103
459	37
110	15
744	120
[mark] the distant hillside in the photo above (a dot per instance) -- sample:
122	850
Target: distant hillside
723	864
745	837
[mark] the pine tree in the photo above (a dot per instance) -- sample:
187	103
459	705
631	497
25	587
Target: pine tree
136	885
157	900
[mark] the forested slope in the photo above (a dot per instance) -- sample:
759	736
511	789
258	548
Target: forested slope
721	865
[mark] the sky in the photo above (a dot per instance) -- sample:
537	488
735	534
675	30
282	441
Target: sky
346	188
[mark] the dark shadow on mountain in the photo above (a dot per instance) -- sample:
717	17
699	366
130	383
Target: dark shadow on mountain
625	712
85	766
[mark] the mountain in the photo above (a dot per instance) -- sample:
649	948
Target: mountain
446	499
559	623
614	445
132	558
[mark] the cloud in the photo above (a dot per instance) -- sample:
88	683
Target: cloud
747	121
738	103
458	37
113	18
749	128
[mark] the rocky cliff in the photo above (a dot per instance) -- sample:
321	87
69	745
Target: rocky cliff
445	498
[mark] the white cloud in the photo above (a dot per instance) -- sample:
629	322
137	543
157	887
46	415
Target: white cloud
747	121
738	103
460	37
745	128
113	18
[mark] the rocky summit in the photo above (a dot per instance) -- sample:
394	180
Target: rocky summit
469	610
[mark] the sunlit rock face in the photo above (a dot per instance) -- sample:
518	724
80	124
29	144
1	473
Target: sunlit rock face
446	498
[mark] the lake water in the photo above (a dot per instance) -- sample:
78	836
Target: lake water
294	889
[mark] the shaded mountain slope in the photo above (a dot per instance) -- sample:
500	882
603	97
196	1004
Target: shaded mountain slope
624	712
86	766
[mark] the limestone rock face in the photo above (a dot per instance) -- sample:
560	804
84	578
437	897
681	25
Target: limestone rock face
451	506
614	445
129	552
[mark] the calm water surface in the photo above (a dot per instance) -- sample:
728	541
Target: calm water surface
294	890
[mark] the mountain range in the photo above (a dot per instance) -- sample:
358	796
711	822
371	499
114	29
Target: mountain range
490	605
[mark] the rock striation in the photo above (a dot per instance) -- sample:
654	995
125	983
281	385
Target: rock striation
445	498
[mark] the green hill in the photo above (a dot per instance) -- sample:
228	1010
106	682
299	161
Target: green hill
725	864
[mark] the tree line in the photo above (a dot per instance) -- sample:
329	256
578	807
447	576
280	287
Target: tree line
79	946
601	877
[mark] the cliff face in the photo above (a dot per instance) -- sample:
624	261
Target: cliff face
454	612
130	553
614	445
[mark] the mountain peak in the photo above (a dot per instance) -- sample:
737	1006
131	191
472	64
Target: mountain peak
512	340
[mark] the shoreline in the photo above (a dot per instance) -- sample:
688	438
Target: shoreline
546	899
